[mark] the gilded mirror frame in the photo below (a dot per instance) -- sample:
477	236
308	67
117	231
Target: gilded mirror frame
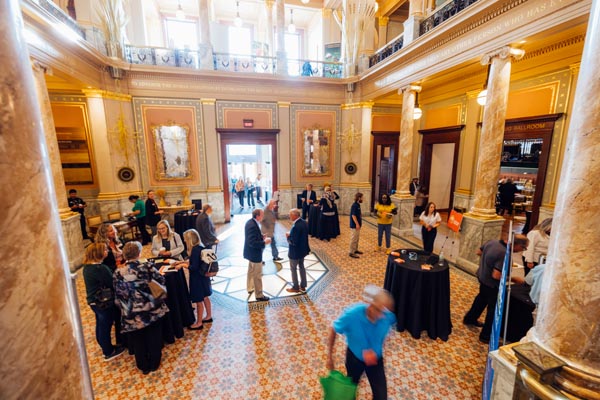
316	152
172	151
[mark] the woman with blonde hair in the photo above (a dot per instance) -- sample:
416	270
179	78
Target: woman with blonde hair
100	296
539	237
200	288
107	233
167	243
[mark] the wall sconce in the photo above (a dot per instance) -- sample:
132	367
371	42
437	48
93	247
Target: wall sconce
291	26
417	113
238	20
482	96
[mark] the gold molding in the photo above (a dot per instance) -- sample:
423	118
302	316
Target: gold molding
326	12
472	94
285	104
116	195
208	102
105	94
214	189
383	21
285	187
553	47
362	104
574	68
464	191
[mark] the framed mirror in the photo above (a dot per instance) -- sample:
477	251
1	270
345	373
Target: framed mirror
172	151
316	146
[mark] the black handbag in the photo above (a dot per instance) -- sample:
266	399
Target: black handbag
104	298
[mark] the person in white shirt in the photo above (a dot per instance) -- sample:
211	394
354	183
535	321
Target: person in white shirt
539	237
430	219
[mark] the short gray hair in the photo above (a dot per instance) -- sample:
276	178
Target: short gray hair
132	250
296	212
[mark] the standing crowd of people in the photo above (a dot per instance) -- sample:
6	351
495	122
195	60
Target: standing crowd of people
249	192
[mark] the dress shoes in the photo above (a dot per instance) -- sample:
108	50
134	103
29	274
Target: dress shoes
292	290
277	259
264	298
358	252
475	323
354	255
197	328
303	289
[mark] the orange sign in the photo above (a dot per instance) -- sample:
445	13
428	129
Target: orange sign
454	220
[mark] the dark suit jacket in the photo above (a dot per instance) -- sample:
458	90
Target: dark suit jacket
298	240
313	197
254	243
206	230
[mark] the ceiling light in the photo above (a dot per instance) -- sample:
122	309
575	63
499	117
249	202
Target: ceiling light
305	1
179	14
238	20
291	26
417	113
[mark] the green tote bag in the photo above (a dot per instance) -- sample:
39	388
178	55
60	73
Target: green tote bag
338	386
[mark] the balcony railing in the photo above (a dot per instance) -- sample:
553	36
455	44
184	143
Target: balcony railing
229	62
386	51
444	13
59	14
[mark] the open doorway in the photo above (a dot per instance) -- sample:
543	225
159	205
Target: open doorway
384	164
246	154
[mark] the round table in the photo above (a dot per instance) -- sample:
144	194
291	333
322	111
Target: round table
184	221
422	297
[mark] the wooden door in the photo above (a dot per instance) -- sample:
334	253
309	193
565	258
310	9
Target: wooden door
384	164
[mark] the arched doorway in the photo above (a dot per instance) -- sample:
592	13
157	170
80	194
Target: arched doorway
259	137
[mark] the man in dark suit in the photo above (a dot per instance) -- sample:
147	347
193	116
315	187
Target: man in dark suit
298	249
254	244
309	196
414	185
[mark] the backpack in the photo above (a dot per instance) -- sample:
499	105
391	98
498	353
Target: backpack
209	258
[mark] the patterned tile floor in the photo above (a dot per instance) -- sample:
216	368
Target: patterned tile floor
277	351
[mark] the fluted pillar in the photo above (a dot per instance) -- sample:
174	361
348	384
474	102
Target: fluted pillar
569	310
43	354
281	54
492	130
402	198
70	221
205	42
269	7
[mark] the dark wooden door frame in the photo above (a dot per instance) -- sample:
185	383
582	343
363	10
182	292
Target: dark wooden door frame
540	126
245	136
448	134
383	138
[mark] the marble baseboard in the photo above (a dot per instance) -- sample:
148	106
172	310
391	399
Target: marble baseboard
71	229
403	222
474	233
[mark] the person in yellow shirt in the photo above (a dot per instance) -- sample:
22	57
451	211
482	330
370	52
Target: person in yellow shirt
385	213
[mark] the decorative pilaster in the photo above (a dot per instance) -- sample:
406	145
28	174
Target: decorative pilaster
569	310
382	31
205	42
490	143
43	353
281	54
411	25
71	228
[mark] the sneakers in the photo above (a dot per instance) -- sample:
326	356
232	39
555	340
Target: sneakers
118	350
303	289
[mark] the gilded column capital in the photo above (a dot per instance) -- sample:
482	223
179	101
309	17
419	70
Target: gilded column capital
574	68
412	88
104	94
383	21
208	102
284	104
326	12
502	53
472	94
269	4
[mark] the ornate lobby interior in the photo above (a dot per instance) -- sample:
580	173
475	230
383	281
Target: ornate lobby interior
118	97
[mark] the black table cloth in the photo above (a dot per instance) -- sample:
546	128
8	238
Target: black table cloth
184	221
520	313
422	298
314	215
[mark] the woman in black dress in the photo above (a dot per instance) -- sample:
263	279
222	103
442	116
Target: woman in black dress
153	213
329	224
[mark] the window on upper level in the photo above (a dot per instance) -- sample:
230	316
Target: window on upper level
181	34
292	48
240	40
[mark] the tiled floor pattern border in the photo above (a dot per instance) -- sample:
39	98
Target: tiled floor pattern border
279	352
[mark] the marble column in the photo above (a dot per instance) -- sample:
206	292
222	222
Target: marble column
281	54
402	198
70	221
43	354
569	309
382	31
269	7
481	223
205	42
413	22
214	177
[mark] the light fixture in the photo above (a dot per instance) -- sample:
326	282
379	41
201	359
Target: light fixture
305	1
291	26
482	96
417	113
238	20
179	14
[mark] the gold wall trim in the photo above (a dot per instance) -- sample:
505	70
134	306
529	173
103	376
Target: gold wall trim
383	21
327	12
105	94
472	94
215	189
285	187
362	104
574	68
208	102
464	191
284	104
117	195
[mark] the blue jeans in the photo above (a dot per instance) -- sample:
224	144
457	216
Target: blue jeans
274	250
387	228
104	322
375	374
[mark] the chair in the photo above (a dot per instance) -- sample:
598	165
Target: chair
114	215
93	223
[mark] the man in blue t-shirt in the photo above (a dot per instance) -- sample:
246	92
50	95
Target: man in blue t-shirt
366	326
